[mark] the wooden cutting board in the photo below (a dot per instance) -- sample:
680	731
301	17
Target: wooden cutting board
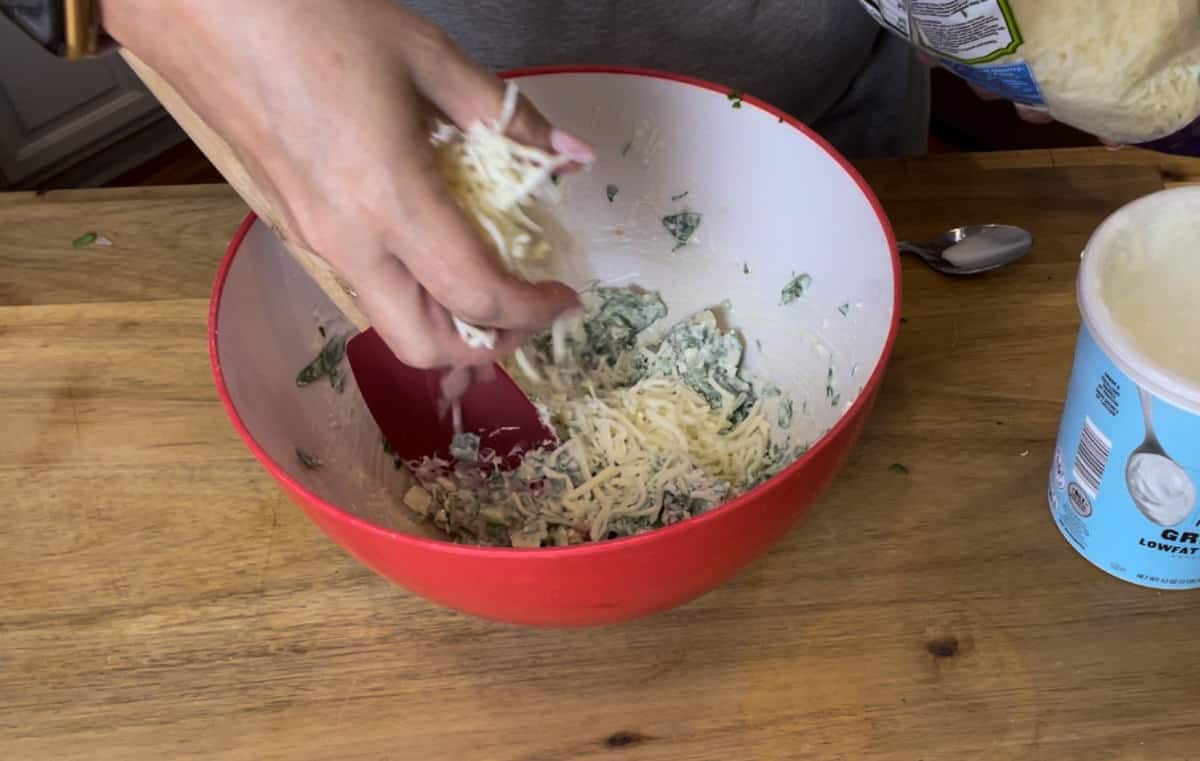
161	600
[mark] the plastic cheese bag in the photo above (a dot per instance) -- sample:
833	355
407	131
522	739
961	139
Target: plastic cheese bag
1127	71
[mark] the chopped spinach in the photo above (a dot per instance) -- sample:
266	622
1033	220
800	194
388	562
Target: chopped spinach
620	315
682	226
897	467
679	196
704	358
327	364
611	192
786	412
308	461
85	240
795	288
735	98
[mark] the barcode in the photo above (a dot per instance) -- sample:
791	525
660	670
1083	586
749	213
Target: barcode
1091	458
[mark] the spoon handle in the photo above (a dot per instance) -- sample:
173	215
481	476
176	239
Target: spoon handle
1147	417
908	247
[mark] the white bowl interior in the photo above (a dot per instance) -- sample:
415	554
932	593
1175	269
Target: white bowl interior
774	202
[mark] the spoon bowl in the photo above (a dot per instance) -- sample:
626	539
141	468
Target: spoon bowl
1159	487
973	249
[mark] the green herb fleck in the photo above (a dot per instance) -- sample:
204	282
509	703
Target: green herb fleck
626	148
309	461
795	288
745	269
681	226
85	240
786	411
554	178
679	196
321	330
326	364
611	191
391	452
735	98
897	467
844	309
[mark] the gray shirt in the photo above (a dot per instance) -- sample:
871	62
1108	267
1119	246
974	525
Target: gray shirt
824	61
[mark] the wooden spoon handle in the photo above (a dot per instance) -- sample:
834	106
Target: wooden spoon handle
231	168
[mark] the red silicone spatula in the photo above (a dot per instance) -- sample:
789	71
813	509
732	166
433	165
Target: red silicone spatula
404	401
409	408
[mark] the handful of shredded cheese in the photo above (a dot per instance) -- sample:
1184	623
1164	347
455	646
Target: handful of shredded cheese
498	181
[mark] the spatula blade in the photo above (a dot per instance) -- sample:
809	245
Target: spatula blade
407	405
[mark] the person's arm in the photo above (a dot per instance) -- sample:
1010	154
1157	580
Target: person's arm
327	102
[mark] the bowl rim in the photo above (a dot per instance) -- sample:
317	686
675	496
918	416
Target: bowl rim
742	501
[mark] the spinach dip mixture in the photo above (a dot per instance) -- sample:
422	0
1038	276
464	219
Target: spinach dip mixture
650	434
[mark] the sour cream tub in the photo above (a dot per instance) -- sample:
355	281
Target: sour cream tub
1127	463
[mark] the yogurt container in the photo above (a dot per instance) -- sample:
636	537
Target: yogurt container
1123	484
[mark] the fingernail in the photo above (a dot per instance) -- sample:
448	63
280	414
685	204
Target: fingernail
572	147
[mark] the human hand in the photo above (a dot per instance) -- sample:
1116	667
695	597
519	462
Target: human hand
328	105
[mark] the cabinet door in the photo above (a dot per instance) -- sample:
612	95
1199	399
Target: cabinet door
54	113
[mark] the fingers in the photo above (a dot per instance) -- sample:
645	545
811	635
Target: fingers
1033	115
983	93
469	93
440	248
415	326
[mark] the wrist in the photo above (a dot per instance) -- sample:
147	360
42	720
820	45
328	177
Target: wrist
120	19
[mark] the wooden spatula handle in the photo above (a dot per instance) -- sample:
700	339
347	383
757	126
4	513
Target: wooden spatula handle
227	163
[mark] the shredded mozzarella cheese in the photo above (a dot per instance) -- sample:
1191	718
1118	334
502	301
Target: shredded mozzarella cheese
498	181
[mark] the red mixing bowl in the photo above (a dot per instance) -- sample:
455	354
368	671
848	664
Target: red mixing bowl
777	201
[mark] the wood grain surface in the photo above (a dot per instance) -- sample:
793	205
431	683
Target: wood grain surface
163	601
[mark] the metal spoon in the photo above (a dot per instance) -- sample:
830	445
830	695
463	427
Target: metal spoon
971	250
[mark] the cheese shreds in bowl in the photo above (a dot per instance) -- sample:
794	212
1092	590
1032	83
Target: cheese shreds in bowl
650	435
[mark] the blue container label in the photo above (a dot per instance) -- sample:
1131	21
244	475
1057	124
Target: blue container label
1123	482
1012	81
